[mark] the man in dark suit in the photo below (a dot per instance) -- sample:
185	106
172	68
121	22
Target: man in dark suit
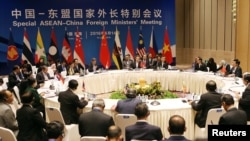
127	62
244	100
200	65
236	70
43	75
69	102
207	101
78	68
127	106
30	121
95	122
176	128
233	116
162	64
14	78
141	130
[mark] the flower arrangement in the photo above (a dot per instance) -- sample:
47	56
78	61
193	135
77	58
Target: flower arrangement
153	91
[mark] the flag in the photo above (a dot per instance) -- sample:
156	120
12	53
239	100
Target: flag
104	51
141	47
117	55
66	50
166	49
40	51
78	52
12	52
153	49
27	52
129	46
53	49
59	77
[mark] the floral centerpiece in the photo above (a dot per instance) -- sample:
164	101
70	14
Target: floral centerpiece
153	90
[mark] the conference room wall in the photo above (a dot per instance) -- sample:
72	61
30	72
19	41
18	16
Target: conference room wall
243	33
204	28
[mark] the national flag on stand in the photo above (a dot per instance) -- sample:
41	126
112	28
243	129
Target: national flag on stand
104	51
129	46
27	52
78	52
153	49
53	49
117	55
40	51
66	50
12	52
141	50
166	49
59	77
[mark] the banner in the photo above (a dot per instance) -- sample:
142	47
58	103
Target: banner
90	16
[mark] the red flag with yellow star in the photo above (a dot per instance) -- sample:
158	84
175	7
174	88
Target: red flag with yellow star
104	51
166	49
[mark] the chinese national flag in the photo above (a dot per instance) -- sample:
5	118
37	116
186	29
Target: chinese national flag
78	52
104	51
166	49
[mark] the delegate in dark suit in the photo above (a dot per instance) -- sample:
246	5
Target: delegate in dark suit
233	117
244	101
41	76
30	122
207	101
69	102
95	122
143	131
177	138
127	106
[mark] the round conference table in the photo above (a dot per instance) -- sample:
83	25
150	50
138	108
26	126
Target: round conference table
109	81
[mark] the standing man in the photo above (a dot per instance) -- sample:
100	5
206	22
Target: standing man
30	121
69	102
95	122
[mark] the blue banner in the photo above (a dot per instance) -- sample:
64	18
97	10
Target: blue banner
90	17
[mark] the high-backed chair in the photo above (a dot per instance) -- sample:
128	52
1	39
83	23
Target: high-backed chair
213	117
123	120
93	138
7	135
71	131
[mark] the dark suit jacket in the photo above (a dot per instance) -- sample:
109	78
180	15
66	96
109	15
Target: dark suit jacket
136	63
202	67
40	78
207	101
128	64
160	66
233	117
95	123
143	131
61	68
31	124
69	102
227	69
177	138
127	106
244	102
78	68
13	81
237	72
91	68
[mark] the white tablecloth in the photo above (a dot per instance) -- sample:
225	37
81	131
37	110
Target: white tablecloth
171	80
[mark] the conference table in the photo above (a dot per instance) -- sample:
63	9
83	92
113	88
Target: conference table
109	81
